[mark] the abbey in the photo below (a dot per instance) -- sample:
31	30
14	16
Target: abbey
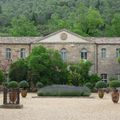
103	52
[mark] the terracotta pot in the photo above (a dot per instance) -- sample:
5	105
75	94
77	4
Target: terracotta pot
13	96
101	93
115	96
23	93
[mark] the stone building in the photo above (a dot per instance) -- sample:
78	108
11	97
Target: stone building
102	52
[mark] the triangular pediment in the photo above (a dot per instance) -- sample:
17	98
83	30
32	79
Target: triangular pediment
63	36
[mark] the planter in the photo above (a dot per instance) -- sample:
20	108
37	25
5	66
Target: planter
12	96
101	93
23	93
115	96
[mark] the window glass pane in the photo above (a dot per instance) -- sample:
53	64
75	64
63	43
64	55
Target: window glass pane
118	52
104	77
8	53
22	53
103	52
83	54
64	54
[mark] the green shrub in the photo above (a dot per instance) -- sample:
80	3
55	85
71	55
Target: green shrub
12	84
1	77
64	90
23	84
39	85
89	85
114	84
100	84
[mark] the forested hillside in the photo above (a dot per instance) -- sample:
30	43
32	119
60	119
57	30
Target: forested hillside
41	17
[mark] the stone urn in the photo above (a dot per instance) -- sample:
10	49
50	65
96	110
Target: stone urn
115	96
101	93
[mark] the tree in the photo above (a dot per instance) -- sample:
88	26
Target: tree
79	73
21	26
47	66
114	28
18	70
1	77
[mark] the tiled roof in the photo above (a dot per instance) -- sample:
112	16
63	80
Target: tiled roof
18	40
104	40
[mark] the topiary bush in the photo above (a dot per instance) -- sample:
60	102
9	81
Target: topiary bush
39	85
64	90
23	84
89	85
114	84
12	84
100	84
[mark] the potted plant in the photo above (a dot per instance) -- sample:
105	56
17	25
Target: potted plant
12	85
115	94
24	85
100	85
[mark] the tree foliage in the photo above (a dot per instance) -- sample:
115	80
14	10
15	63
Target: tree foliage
85	17
47	66
79	73
21	26
18	70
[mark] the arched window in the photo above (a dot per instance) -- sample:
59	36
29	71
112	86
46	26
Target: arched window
83	53
8	53
118	52
22	53
103	53
64	54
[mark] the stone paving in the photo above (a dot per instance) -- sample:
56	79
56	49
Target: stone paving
47	108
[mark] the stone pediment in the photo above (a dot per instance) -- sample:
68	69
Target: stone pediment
62	36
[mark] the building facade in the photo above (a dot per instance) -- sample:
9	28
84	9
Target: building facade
102	52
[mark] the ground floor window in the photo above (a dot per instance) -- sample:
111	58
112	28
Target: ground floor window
104	77
118	76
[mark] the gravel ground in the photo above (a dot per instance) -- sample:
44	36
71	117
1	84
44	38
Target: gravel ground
47	108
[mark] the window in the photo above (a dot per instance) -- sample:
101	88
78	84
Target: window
84	54
118	76
104	77
103	53
64	54
22	53
118	52
8	53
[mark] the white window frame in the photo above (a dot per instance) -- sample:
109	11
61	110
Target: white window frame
103	53
84	54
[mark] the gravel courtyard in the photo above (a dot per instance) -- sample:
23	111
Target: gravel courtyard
63	109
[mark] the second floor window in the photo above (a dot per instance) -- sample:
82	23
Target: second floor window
22	53
64	54
8	53
84	54
103	53
118	52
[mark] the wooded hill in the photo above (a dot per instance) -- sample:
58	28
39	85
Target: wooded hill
41	17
